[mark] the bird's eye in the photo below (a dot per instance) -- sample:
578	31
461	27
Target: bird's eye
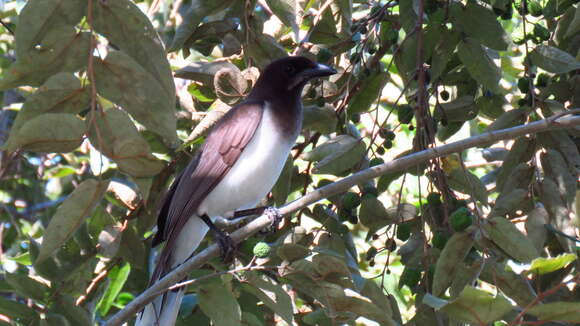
290	70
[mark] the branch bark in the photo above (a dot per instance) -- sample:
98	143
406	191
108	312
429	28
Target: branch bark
399	164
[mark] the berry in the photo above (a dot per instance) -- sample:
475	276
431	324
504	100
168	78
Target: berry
461	219
350	200
262	250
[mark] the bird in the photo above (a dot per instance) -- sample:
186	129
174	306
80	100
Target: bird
236	167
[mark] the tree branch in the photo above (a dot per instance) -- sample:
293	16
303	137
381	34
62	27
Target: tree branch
179	273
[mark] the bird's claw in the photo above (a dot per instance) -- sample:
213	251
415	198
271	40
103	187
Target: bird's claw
275	218
227	247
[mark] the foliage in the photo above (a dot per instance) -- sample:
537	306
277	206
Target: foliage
95	111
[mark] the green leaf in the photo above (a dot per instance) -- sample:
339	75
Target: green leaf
547	265
26	286
50	132
408	12
443	52
460	109
325	32
479	64
321	119
63	49
508	119
263	49
218	302
38	18
373	214
17	311
198	10
491	107
129	29
347	155
61	93
271	294
285	10
477	307
553	59
114	134
117	278
76	315
70	215
368	93
515	286
124	81
467	183
481	23
456	249
561	311
506	236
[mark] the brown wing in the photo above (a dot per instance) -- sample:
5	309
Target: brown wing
220	151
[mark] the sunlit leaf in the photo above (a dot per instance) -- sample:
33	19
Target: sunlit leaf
477	306
114	134
50	132
547	265
506	236
553	59
560	311
117	278
123	80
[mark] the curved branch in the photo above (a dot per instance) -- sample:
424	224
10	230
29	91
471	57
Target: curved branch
399	164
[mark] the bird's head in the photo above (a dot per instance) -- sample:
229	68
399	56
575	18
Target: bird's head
290	74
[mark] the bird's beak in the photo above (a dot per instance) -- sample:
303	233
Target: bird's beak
319	71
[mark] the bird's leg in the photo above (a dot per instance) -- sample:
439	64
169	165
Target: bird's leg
225	242
272	212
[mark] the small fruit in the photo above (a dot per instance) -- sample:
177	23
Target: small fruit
434	199
262	250
461	219
535	8
355	118
376	161
541	32
350	200
371	253
391	245
524	85
388	144
444	95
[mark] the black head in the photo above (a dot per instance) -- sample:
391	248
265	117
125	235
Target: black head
289	75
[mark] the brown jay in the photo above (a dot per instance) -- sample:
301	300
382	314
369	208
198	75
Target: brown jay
236	167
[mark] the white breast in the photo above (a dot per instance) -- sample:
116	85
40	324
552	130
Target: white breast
254	173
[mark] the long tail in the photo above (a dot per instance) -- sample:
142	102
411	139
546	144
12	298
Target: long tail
164	309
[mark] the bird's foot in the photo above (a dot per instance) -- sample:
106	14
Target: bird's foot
275	218
227	247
